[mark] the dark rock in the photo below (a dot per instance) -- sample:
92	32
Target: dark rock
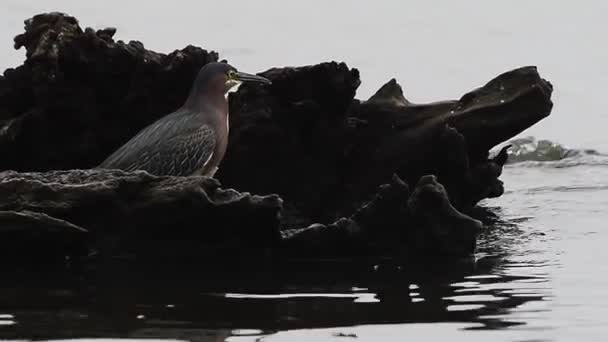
140	213
502	156
439	229
396	223
348	151
391	94
37	237
146	216
449	139
501	109
81	94
291	138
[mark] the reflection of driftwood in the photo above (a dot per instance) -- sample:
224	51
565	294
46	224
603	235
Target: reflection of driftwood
80	95
110	302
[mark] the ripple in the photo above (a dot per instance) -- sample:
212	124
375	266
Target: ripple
475	298
562	188
465	307
247	332
465	284
297	295
483	276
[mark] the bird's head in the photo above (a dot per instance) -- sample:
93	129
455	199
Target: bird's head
219	78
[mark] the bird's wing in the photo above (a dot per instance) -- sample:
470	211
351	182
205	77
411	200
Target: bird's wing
181	155
178	153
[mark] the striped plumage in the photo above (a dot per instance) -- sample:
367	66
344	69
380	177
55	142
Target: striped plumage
178	144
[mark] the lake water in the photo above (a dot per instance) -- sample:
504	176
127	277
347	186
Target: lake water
540	273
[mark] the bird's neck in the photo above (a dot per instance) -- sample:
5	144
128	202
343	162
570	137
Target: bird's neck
213	106
199	96
217	102
215	111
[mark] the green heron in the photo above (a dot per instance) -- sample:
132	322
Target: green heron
191	140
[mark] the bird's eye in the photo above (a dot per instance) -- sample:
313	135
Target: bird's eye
231	74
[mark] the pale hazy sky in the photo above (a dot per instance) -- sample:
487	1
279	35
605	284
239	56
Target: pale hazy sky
436	49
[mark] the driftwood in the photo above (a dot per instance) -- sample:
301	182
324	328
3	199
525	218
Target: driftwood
323	160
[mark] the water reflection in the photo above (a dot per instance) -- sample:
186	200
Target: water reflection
196	305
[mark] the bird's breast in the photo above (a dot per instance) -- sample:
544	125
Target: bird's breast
220	128
222	138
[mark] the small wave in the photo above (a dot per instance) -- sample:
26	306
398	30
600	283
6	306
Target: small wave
581	188
531	152
584	160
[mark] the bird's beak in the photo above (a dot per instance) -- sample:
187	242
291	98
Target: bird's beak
245	77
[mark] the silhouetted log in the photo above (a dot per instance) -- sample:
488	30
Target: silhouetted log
139	213
113	213
80	95
396	223
29	236
306	126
